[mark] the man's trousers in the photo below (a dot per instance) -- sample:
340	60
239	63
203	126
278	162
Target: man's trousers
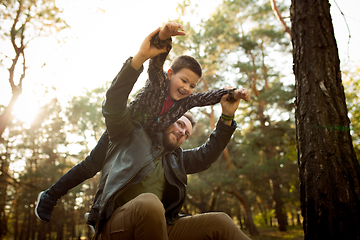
143	218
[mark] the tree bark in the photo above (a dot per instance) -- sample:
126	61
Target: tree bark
329	172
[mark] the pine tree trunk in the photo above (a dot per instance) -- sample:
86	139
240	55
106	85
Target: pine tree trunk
249	219
329	172
279	205
4	169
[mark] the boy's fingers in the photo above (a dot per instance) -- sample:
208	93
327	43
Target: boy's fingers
180	34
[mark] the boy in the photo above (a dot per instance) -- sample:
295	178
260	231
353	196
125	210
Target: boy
163	100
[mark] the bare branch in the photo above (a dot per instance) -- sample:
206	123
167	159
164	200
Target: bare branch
279	17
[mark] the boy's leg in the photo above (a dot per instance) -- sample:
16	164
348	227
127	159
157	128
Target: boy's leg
213	226
83	170
142	218
86	169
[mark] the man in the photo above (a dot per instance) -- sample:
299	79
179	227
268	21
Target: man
144	178
143	183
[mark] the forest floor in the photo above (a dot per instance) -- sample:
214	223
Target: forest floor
294	233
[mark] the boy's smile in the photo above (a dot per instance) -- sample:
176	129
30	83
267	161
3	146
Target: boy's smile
182	83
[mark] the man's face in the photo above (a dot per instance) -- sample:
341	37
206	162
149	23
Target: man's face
177	133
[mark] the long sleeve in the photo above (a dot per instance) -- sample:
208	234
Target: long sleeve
158	123
149	101
86	169
117	118
201	158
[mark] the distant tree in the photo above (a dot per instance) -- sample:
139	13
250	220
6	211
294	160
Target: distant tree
329	172
22	21
242	44
56	140
42	148
351	82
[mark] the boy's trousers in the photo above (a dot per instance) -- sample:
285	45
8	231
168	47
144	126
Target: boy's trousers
143	218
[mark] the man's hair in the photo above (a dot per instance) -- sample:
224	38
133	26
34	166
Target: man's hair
191	118
185	61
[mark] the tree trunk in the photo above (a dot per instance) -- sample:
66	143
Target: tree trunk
213	200
60	222
4	169
16	221
249	220
279	205
329	172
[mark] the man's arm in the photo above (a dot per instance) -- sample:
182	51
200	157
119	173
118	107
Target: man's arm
201	158
117	118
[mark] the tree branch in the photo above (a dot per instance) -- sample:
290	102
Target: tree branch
279	17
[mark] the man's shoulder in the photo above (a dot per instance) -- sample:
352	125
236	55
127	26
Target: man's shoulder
177	153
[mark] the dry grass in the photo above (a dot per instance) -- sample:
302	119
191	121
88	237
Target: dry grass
295	233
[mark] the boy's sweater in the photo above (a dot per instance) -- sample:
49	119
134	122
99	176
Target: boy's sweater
147	106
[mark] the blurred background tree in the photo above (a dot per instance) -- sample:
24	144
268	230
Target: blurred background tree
241	44
21	23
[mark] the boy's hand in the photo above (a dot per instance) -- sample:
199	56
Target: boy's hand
171	29
242	94
229	107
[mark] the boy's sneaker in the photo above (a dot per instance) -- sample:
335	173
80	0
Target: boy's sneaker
44	206
86	216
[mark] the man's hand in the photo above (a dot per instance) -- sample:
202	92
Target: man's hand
146	51
229	107
171	29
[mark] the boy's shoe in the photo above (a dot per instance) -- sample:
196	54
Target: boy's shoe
86	216
44	206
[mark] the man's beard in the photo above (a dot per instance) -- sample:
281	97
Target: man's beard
168	144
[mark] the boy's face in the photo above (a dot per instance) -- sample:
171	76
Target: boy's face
182	83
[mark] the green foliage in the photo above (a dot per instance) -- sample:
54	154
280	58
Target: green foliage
46	147
240	44
84	112
351	83
260	218
32	18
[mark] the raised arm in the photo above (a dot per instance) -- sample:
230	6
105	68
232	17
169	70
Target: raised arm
156	43
201	158
114	108
147	51
163	40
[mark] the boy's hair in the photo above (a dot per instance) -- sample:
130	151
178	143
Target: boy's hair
191	118
185	61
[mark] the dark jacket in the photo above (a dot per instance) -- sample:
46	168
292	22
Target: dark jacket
131	153
145	109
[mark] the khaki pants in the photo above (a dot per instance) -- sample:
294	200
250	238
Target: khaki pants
143	218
